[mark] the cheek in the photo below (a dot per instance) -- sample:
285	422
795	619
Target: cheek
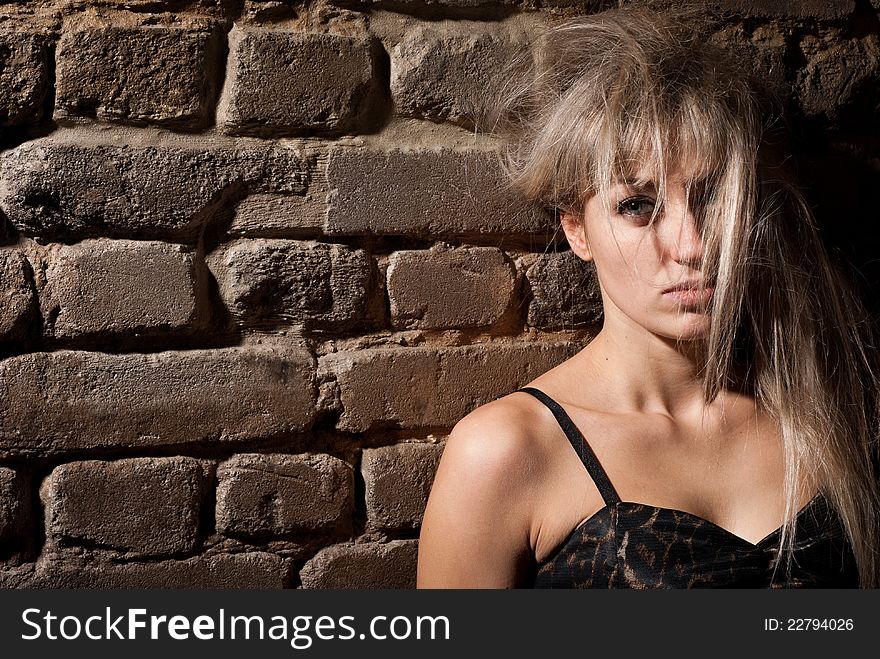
626	264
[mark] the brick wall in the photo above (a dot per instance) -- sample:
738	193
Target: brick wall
255	263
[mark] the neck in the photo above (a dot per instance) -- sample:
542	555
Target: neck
644	372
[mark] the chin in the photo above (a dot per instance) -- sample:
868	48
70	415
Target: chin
696	330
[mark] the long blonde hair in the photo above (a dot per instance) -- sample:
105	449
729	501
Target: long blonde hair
612	95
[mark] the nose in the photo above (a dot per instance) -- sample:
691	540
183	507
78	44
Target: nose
685	238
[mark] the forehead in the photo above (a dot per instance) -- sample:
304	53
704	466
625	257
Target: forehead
673	166
646	150
653	180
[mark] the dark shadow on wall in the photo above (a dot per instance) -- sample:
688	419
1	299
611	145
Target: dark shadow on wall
838	154
224	8
13	136
42	123
841	184
7	232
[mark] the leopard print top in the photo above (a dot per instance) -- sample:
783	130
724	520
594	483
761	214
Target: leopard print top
635	545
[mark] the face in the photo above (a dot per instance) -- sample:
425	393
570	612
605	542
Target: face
638	262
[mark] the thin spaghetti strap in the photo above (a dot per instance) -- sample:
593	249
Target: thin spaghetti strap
580	445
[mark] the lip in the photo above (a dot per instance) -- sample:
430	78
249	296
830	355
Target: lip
688	284
691	296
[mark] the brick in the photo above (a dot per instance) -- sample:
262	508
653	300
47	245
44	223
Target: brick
587	6
424	387
19	576
24	77
17	299
274	215
446	75
276	495
763	54
101	286
817	9
565	292
839	75
164	75
14	507
365	565
444	288
252	570
419	5
283	82
59	189
423	191
397	483
145	506
272	280
73	401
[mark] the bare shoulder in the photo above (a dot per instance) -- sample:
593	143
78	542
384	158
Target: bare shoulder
477	522
494	453
498	439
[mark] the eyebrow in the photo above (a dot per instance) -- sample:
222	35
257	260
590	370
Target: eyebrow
650	183
635	183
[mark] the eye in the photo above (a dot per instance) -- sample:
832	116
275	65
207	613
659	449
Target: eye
636	206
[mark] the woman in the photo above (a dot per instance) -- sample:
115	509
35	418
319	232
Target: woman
724	420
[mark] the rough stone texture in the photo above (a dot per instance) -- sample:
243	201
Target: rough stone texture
275	495
145	506
59	189
366	565
818	9
461	5
764	53
17	300
565	292
424	191
448	75
279	81
249	570
24	77
838	75
267	281
273	215
398	481
20	576
101	286
13	506
427	386
443	288
158	74
63	401
585	6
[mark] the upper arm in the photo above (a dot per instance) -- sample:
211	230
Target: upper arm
475	532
